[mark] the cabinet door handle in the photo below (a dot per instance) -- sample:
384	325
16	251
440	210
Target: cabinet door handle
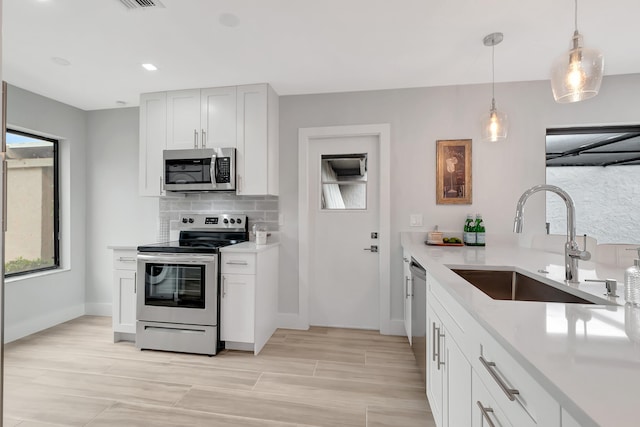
237	263
195	138
239	183
161	184
406	286
135	282
224	288
510	392
485	413
433	341
126	259
405	259
440	362
204	139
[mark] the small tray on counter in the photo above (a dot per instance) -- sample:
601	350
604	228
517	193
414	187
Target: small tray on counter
442	244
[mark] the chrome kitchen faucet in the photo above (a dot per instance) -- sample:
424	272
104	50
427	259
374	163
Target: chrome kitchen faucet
571	251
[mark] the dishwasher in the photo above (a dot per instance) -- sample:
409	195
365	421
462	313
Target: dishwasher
419	316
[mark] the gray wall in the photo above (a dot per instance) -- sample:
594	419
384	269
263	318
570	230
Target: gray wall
115	212
419	117
40	301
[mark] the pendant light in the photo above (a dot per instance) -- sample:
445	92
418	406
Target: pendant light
495	125
577	75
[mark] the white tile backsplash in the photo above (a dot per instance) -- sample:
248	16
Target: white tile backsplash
262	209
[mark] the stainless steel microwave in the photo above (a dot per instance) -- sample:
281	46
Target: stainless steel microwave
205	169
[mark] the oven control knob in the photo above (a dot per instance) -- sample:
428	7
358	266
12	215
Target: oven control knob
239	221
184	220
233	221
190	220
226	221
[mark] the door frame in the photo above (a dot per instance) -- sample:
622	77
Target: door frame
305	136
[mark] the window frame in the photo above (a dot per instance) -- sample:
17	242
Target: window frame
56	206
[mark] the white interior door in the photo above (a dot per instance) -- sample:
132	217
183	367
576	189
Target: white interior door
344	288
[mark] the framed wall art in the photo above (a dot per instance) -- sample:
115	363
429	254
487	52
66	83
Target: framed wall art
453	172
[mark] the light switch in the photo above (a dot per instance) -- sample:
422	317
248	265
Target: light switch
415	220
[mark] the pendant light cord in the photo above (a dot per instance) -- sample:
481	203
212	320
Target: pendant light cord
576	15
493	76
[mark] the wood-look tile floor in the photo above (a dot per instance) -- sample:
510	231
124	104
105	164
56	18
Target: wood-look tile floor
74	375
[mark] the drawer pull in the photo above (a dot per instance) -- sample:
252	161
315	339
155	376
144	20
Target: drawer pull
485	414
237	263
510	392
126	259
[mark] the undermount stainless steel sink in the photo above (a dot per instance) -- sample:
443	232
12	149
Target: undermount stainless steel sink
511	285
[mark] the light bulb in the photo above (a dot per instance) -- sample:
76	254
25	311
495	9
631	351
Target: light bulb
576	77
494	127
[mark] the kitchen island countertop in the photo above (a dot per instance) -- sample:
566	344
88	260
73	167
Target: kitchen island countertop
586	356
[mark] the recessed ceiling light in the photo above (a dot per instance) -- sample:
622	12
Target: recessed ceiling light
149	67
60	61
228	20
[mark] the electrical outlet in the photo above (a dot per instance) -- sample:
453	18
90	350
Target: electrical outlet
415	220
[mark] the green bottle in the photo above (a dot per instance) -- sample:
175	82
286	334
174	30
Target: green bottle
467	229
471	231
480	231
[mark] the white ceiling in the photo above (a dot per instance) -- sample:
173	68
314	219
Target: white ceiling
299	46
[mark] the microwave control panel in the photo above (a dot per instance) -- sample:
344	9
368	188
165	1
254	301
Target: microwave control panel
223	170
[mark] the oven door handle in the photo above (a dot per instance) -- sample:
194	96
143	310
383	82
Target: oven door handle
178	258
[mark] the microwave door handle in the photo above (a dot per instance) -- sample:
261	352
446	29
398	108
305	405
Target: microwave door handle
212	171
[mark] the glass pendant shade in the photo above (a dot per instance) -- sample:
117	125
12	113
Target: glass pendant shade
495	125
577	75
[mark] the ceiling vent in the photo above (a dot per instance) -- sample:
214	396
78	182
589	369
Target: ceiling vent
141	4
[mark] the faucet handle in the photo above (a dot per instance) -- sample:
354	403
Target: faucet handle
585	255
610	284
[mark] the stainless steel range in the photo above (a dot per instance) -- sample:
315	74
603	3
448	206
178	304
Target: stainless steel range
178	285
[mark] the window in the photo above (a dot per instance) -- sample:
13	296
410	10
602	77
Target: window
600	169
344	181
31	240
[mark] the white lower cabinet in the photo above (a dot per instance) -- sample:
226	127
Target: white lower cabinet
448	370
124	295
237	308
407	292
474	381
248	298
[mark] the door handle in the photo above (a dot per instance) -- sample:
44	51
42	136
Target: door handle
373	248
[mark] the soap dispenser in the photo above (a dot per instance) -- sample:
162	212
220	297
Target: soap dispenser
632	281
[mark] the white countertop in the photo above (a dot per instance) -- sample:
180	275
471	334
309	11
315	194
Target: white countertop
123	247
249	247
586	356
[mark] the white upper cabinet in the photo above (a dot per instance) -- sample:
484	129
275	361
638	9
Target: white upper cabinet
218	117
183	119
153	139
257	140
242	117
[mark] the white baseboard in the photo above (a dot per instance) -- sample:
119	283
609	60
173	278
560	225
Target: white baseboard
394	327
98	309
291	321
37	324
